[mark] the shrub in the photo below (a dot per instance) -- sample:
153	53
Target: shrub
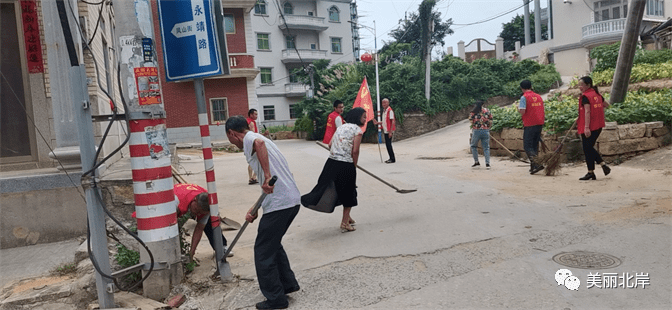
562	111
274	129
127	258
607	56
640	73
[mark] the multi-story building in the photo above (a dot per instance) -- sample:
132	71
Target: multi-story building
579	26
291	34
225	95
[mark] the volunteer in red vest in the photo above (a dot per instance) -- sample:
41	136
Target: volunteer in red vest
334	120
389	126
252	116
531	109
590	124
194	200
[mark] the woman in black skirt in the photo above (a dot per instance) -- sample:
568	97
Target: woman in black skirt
340	169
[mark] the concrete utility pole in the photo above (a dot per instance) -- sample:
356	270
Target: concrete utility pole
68	71
537	21
428	59
626	53
155	202
526	21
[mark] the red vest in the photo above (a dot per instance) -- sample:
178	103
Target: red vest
596	111
534	109
331	127
185	194
252	124
388	121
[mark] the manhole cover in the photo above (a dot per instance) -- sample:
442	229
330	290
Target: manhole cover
586	260
433	158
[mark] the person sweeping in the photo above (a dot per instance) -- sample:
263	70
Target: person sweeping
590	124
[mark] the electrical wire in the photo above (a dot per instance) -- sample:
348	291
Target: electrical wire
100	16
586	3
494	17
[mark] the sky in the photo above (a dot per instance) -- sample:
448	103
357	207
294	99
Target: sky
387	14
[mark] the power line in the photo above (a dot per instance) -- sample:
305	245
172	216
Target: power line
496	16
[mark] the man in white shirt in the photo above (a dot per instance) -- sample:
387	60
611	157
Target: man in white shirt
389	126
276	278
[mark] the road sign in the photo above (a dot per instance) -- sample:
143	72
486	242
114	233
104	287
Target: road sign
188	33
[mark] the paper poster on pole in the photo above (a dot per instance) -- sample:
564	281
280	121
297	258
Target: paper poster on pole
147	83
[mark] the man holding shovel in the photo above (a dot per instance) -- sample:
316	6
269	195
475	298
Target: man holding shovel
531	109
275	276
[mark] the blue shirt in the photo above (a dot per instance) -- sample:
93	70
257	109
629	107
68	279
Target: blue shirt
523	103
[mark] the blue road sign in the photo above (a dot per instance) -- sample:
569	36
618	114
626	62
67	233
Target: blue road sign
190	47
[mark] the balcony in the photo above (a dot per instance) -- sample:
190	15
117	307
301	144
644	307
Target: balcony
295	89
242	65
602	32
291	56
303	22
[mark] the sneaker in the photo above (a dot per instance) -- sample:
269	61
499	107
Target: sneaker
230	253
487	166
476	164
389	161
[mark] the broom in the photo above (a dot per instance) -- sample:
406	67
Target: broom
552	161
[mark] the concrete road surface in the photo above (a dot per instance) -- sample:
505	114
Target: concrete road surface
467	239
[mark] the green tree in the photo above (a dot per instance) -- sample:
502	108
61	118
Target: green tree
415	27
515	31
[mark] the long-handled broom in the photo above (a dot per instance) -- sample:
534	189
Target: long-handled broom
552	161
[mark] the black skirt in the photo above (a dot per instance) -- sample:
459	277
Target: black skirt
336	186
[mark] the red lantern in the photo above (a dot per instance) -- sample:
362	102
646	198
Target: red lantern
366	57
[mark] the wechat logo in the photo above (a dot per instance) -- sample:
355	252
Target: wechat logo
565	277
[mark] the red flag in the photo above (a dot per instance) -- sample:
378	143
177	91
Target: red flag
363	101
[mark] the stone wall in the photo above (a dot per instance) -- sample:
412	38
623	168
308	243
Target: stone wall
615	140
415	124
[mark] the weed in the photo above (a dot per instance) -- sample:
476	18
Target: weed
65	269
126	258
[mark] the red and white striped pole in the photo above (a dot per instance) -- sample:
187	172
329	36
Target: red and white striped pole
155	202
209	164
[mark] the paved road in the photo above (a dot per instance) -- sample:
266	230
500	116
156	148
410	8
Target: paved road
466	239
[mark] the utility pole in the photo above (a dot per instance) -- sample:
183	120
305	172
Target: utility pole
428	58
526	21
155	202
63	44
626	54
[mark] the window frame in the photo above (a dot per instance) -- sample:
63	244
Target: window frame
291	39
334	9
659	7
262	73
340	45
212	110
268	41
291	8
233	19
292	110
269	110
258	8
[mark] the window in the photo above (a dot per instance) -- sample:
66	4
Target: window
260	7
313	46
269	112
609	9
290	42
293	111
262	41
336	45
293	78
229	23
333	15
310	13
654	7
266	75
287	8
219	110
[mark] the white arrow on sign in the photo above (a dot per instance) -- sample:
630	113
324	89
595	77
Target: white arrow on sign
198	28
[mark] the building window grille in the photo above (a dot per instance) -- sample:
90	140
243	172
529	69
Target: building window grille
290	41
293	111
219	111
336	45
269	112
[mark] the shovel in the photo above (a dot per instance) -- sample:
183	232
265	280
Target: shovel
224	267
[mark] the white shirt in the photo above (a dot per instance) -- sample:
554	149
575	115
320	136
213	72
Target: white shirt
387	114
342	142
338	121
285	194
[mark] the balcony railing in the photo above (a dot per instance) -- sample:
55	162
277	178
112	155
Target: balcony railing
303	22
295	89
605	27
291	56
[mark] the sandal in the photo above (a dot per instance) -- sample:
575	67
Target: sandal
351	221
253	181
345	227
